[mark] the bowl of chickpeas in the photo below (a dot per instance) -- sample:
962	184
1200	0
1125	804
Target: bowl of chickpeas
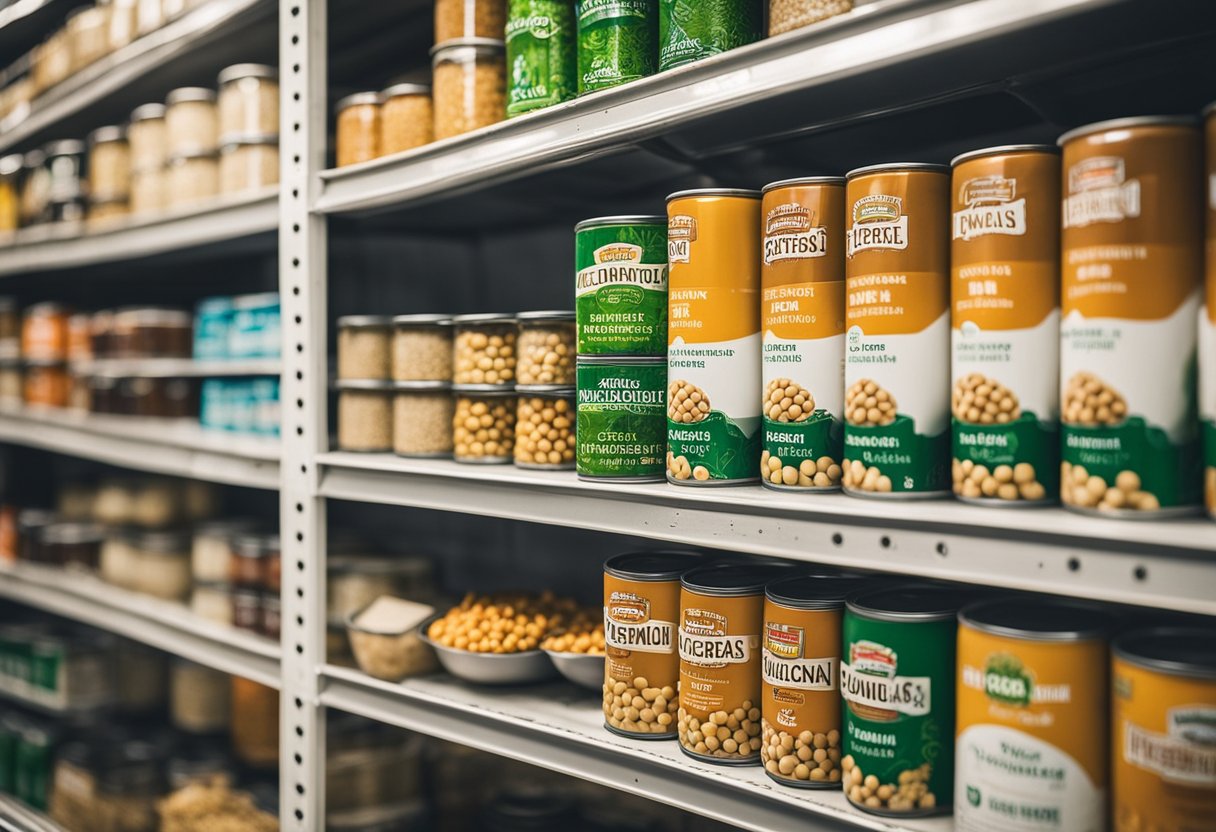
578	650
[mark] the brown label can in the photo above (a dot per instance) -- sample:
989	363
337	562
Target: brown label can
802	320
897	310
1207	322
641	666
1163	731
1131	266
721	615
1005	325
1031	745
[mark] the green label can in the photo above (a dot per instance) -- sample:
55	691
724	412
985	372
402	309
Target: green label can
618	42
898	692
621	422
541	55
620	286
690	30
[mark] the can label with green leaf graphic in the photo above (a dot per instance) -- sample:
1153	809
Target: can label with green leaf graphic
690	30
620	290
542	63
622	432
618	42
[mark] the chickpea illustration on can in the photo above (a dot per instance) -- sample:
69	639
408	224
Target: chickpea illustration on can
897	393
1004	289
1207	322
713	352
1131	265
802	281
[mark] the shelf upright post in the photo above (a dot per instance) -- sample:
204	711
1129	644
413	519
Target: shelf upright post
303	393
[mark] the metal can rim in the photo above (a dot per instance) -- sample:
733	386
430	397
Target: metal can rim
559	315
1120	647
855	604
971	616
742	193
765	573
898	167
1127	122
622	219
802	180
612	565
1002	149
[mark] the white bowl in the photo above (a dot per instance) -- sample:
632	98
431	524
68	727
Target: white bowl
491	668
584	670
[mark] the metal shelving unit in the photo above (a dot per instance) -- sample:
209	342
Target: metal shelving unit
17	817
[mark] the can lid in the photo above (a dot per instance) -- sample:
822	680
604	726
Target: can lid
1038	619
744	193
10	164
816	592
483	318
64	147
364	321
181	95
147	112
404	89
618	360
369	384
1178	651
1126	124
803	180
422	320
1004	149
357	98
110	133
898	167
422	386
657	565
490	46
624	219
913	602
558	315
729	580
238	71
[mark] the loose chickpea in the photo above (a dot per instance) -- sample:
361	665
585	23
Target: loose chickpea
584	633
484	353
867	404
483	428
469	87
544	432
486	623
546	353
1090	402
980	400
860	478
686	403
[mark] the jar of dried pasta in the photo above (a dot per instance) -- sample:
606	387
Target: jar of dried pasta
422	348
192	178
191	121
422	419
88	35
365	420
546	351
109	165
469	19
248	163
470	81
363	346
147	138
787	15
484	354
544	431
406	118
248	101
483	427
358	129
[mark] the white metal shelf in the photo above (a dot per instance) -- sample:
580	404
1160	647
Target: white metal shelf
1160	563
560	727
180	448
176	368
61	246
15	816
161	624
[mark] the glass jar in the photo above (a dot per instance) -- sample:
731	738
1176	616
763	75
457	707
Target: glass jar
211	548
545	350
79	397
192	179
46	384
119	559
44	332
422	348
88	30
212	601
109	164
10	328
365	419
149	191
149	16
124	24
406	118
787	15
469	19
255	723
422	419
200	699
54	63
11	383
191	122
272	616
363	346
101	213
151	332
10	194
148	138
249	163
544	431
254	561
247	609
65	160
164	565
483	428
248	102
80	340
74	545
30	524
470	80
354	581
35	189
357	132
484	353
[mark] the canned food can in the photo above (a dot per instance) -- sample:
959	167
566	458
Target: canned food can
897	392
620	286
1163	706
641	613
542	46
1131	256
1031	687
691	31
897	683
618	42
1005	326
802	315
621	427
1207	323
721	616
800	667
713	353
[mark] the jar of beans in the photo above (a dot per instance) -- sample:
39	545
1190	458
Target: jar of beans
148	139
483	428
406	118
248	163
248	101
363	346
358	131
422	419
422	348
470	83
191	121
484	353
545	352
365	421
109	165
544	430
787	15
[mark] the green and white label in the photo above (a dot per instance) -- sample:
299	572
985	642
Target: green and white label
621	427
620	291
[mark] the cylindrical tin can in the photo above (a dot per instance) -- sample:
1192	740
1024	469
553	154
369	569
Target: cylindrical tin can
620	288
621	427
897	683
721	615
802	319
691	31
1131	266
542	54
1032	688
1207	323
1005	326
897	390
1163	709
713	352
800	668
618	42
641	611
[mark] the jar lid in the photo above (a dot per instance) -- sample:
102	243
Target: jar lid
179	159
254	301
422	386
364	384
10	164
484	46
481	318
45	362
64	147
238	71
730	580
365	321
558	316
110	133
213	586
404	89
70	534
152	316
422	320
231	141
1038	619
484	391
147	112
803	180
181	95
1127	124
220	528
357	99
898	167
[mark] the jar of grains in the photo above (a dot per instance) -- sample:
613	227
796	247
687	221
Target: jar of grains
484	353
123	24
364	346
148	138
148	191
470	82
109	165
192	179
422	348
212	601
248	101
545	351
248	163
358	130
365	422
422	419
88	35
483	428
544	430
199	698
191	122
406	119
164	565
786	15
469	19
